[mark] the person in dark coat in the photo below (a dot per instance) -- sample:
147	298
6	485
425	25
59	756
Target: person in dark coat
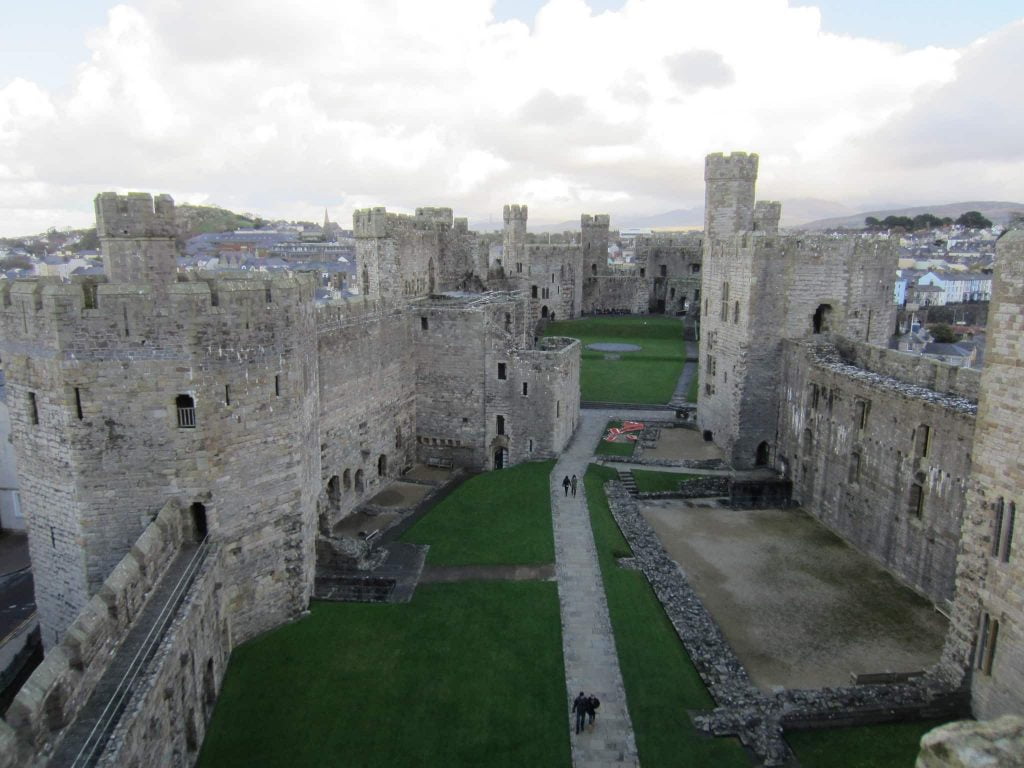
579	708
565	485
573	484
591	708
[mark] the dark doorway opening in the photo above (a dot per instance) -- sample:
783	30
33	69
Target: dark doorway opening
707	436
823	318
500	458
761	455
198	512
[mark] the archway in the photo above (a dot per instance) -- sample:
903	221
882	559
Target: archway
198	514
501	458
334	492
382	465
360	485
544	311
761	455
823	318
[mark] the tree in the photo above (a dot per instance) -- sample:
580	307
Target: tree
973	220
943	333
926	221
871	222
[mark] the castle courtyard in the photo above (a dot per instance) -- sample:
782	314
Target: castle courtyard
801	608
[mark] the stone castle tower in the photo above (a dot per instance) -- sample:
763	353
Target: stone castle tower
987	629
141	389
759	288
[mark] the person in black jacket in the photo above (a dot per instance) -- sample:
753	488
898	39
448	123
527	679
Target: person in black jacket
591	707
579	708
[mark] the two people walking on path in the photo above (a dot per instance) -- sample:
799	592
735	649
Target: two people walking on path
567	484
585	708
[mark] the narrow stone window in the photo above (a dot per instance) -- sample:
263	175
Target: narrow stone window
186	408
558	408
360	485
526	389
705	307
53	537
346	479
862	407
808	442
814	396
382	465
78	403
915	505
593	269
398	437
277	385
533	291
997	526
508	321
723	314
663	270
987	637
736	312
268	295
227	394
501	371
643	272
33	408
499	425
1003	539
922	437
531	445
424	324
854	475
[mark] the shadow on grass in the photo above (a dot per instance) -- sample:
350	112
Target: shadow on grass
466	674
650	481
871	746
661	682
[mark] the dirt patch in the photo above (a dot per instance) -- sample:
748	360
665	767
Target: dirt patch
800	607
682	444
400	495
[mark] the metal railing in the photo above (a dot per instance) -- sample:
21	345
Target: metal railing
108	719
187	416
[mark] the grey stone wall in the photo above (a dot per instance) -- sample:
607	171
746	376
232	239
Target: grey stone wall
852	443
616	293
990	570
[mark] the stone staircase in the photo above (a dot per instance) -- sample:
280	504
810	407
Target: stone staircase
628	481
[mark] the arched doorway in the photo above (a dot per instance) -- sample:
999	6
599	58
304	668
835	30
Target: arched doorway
501	458
823	318
382	465
198	514
544	311
761	455
360	486
334	492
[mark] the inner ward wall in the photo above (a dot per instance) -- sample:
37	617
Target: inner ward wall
855	445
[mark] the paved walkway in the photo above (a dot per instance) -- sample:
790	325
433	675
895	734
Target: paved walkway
591	662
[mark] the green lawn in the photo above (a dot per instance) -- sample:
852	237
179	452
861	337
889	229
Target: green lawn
873	746
614	449
497	518
648	481
691	393
646	376
661	683
467	674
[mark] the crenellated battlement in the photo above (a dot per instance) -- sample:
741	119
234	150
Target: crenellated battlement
461	224
434	218
379	222
597	221
370	222
766	215
512	213
736	166
137	214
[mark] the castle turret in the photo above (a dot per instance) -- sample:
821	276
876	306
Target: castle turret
766	216
136	235
595	243
515	258
729	194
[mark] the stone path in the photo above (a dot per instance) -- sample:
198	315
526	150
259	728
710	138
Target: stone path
588	645
683	385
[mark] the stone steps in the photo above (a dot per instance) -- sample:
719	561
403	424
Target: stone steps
628	481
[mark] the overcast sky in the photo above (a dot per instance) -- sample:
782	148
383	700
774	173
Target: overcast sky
285	108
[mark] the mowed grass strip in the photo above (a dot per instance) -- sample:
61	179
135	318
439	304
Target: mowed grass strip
893	745
467	674
649	481
497	518
604	448
648	375
661	682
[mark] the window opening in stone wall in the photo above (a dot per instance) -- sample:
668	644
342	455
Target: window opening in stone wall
987	636
663	270
808	442
531	445
915	504
268	295
997	526
526	389
277	385
424	324
1011	520
191	739
360	485
761	454
558	408
398	437
346	479
209	688
124	311
382	465
707	435
822	321
78	403
643	272
544	311
672	293
227	394
501	458
862	407
33	408
854	475
53	537
186	408
519	266
334	492
533	291
723	314
736	312
705	307
499	424
501	371
366	282
707	389
593	269
198	513
922	436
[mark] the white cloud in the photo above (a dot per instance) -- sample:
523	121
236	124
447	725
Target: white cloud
283	108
